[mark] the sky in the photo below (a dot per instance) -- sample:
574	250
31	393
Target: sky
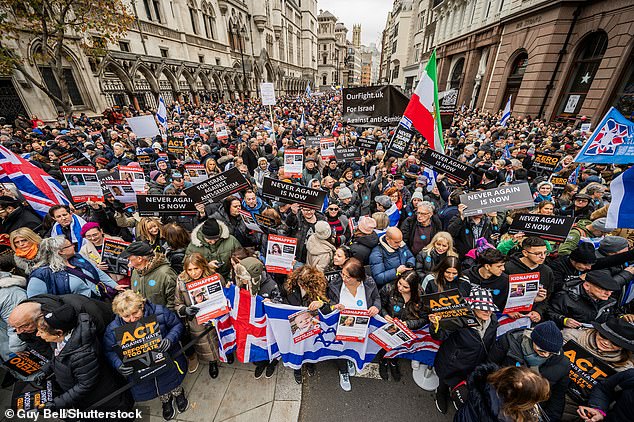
371	14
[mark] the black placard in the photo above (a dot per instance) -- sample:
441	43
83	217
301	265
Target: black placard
151	205
451	307
586	370
400	142
313	141
176	146
110	254
347	154
367	143
549	227
381	105
545	163
451	167
26	362
559	184
218	187
290	193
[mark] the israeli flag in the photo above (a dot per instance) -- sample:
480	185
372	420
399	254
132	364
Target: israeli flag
506	115
161	113
507	153
302	122
308	92
621	210
431	178
177	107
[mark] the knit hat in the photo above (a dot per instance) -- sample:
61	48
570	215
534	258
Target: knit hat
547	337
618	331
177	175
154	174
211	229
384	201
137	249
88	226
366	225
417	194
157	145
612	244
481	299
323	230
599	224
345	193
62	318
584	253
603	279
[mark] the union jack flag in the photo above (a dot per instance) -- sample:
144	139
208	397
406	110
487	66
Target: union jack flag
422	349
611	134
37	186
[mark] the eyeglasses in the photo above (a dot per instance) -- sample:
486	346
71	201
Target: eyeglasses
423	213
543	352
545	253
68	246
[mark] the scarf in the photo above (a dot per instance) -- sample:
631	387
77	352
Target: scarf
28	253
588	340
75	230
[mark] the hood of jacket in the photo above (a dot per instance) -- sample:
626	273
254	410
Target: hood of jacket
482	396
10	280
198	239
383	243
317	246
368	240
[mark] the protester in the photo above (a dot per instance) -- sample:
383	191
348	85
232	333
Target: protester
26	245
212	240
93	250
440	247
390	258
319	248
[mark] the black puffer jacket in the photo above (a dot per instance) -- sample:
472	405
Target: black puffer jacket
392	304
426	261
462	233
175	258
575	303
301	229
21	217
483	404
361	247
507	351
83	374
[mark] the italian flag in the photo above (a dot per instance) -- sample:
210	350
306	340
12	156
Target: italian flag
423	111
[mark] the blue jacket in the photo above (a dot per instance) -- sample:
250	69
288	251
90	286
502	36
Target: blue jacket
259	207
384	261
58	283
171	328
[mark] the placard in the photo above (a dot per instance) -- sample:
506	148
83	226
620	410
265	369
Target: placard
138	347
347	154
121	190
267	93
380	105
197	173
154	205
452	168
221	129
26	362
586	370
249	221
327	148
451	307
207	295
545	163
559	184
585	127
264	221
217	187
135	176
547	227
83	183
111	255
523	289
290	193
392	335
293	162
280	254
312	141
74	158
143	126
28	396
353	325
176	146
367	143
497	199
400	142
304	324
144	160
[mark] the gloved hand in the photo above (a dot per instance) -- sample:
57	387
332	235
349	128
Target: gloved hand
188	312
40	378
164	345
126	371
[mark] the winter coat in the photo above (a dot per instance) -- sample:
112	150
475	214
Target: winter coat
461	351
498	286
393	304
83	373
156	283
236	227
483	404
175	257
171	328
462	233
301	229
618	272
295	298
11	294
207	346
563	273
426	261
259	207
619	388
429	286
574	302
372	297
410	224
384	260
220	251
577	234
319	252
546	280
21	217
507	351
361	246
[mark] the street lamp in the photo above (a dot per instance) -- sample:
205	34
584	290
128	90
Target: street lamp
239	33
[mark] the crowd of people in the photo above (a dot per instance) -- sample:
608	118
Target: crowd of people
387	235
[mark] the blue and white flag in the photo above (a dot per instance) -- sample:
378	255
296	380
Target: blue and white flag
308	92
302	122
612	142
574	176
161	113
621	210
177	107
431	178
506	115
506	154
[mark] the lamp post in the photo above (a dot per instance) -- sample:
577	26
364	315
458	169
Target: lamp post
240	35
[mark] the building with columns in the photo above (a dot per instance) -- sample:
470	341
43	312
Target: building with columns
185	50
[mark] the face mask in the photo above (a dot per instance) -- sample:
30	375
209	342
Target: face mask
28	253
534	359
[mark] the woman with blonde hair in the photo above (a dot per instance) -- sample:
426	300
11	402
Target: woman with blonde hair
149	230
26	245
195	267
211	167
382	222
430	256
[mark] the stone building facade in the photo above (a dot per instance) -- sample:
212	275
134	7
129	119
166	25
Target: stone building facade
183	50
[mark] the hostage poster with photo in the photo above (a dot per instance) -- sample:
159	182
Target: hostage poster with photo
111	255
121	190
353	325
138	347
450	307
523	290
249	221
207	295
280	254
392	335
221	129
135	176
197	173
327	148
293	162
304	324
83	183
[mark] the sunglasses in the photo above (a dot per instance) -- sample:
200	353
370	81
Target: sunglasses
333	208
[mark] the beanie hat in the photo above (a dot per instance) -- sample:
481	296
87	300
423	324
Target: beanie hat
481	299
584	254
345	193
88	226
547	337
323	230
612	244
62	318
154	174
384	201
366	225
418	194
211	229
600	224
